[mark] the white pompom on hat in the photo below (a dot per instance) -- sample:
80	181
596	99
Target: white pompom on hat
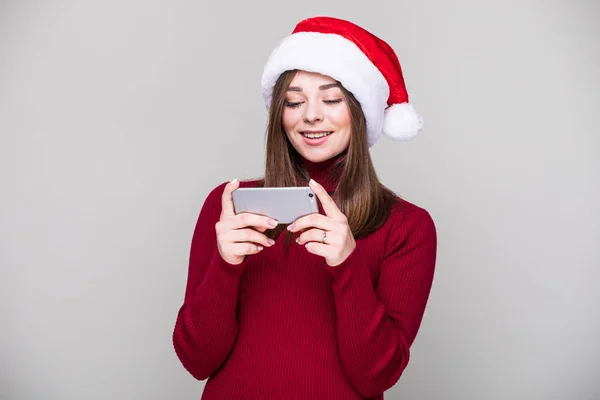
363	63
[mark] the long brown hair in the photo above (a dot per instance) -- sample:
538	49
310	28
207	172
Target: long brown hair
359	194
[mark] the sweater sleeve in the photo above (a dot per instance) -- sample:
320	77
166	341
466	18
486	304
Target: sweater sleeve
377	326
206	325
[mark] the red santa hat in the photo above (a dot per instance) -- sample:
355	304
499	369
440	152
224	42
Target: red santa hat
363	63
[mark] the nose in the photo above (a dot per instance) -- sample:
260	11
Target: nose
313	112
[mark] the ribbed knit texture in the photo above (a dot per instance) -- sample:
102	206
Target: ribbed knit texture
287	326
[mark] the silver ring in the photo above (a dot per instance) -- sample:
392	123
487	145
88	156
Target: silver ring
324	237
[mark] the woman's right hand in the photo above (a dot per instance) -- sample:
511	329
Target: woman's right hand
242	234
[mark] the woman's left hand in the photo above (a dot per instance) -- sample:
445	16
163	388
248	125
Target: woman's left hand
329	235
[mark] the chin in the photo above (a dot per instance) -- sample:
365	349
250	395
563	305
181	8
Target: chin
315	158
317	155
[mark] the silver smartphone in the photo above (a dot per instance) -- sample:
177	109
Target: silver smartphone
284	204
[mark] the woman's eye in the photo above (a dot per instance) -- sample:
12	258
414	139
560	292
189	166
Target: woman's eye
292	104
333	101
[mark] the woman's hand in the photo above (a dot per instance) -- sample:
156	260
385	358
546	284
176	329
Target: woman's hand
242	234
329	235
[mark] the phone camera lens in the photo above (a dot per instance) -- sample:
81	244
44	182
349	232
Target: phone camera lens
310	195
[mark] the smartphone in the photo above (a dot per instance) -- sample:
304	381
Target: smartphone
284	204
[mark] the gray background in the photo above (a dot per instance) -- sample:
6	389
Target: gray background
118	117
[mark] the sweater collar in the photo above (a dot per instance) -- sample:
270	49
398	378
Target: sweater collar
326	173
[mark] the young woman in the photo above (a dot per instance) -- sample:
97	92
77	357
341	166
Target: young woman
333	313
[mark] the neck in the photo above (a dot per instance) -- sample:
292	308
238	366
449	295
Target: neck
325	172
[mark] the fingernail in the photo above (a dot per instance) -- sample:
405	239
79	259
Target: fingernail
272	222
298	240
234	181
291	226
271	241
312	182
260	248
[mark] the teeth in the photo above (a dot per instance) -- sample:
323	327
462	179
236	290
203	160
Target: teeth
317	135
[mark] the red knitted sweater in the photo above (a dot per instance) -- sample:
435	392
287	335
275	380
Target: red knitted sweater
287	326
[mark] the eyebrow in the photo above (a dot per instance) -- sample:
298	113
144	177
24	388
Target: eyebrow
322	87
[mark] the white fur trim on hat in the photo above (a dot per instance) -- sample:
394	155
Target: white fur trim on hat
339	58
402	122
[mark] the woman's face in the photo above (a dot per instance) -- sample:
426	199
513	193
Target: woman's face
316	117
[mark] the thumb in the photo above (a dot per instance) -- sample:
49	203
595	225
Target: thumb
226	200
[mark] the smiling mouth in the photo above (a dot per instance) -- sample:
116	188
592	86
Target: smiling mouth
316	135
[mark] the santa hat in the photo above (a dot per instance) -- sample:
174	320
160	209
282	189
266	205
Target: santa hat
363	63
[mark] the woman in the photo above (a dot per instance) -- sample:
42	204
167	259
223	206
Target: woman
332	315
